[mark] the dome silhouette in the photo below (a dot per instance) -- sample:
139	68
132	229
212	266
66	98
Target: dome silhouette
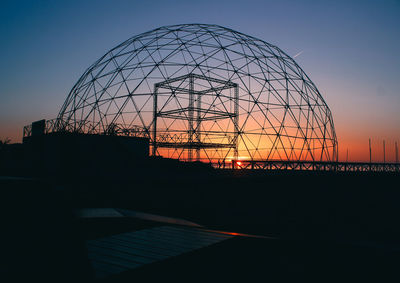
203	92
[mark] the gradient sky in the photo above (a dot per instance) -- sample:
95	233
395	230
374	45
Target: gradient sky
349	49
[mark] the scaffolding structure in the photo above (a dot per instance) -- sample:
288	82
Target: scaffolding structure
194	137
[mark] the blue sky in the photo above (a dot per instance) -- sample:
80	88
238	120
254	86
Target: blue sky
350	49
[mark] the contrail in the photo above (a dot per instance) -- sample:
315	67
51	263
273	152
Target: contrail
298	54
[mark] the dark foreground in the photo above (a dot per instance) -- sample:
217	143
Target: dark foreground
324	227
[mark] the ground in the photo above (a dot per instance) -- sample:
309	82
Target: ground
325	227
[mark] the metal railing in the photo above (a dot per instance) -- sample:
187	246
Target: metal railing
308	165
77	126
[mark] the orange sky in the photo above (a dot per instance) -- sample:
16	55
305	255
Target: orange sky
353	131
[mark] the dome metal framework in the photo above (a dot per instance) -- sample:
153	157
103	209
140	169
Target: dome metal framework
203	92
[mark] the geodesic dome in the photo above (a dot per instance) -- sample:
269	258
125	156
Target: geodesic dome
203	92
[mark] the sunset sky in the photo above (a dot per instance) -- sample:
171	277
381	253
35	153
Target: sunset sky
349	49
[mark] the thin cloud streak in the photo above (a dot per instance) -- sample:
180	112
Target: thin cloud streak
298	54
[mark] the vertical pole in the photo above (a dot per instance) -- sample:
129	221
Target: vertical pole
347	155
370	152
397	152
384	152
198	129
337	152
155	120
190	122
236	122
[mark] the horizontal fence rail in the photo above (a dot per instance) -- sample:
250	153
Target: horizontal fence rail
308	166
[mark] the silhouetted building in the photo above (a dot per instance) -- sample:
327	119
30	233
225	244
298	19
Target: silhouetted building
49	153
